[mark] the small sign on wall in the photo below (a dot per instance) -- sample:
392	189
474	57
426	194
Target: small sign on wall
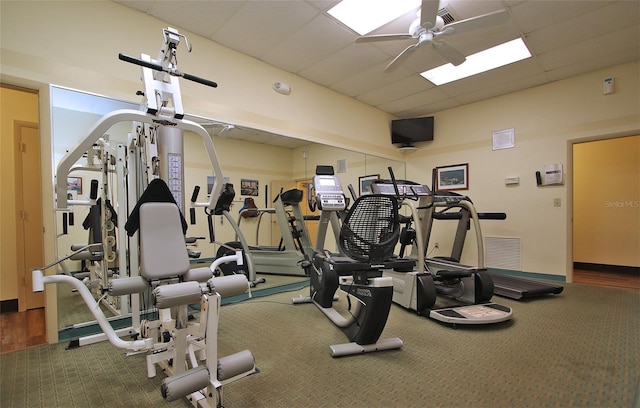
504	139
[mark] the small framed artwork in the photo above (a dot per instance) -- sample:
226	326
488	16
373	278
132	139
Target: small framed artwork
365	183
248	187
453	177
74	184
211	180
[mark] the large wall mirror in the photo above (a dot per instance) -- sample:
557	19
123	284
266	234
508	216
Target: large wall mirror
259	165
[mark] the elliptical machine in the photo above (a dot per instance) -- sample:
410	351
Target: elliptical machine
366	238
442	288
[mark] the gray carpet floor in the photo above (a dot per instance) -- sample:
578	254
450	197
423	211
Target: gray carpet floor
576	349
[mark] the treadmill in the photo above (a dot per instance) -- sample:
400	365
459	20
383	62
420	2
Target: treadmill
519	288
506	286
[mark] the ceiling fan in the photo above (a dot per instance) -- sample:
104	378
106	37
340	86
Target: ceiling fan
430	28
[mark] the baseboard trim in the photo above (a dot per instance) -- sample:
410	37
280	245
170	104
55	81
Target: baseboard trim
9	306
631	270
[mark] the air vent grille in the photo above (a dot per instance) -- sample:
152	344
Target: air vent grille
446	15
503	252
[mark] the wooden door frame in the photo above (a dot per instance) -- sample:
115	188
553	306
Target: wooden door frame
26	298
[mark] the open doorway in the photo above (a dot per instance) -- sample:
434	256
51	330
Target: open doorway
606	212
22	311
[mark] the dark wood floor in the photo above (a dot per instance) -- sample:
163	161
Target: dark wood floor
21	330
617	279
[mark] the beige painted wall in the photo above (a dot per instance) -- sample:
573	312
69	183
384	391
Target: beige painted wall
547	120
15	105
88	60
606	210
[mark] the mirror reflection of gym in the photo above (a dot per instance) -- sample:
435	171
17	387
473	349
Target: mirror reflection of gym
75	112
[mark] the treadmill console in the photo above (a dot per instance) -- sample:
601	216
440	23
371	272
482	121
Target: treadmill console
329	193
412	189
448	198
405	188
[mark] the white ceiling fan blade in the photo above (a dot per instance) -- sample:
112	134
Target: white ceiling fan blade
449	53
479	22
383	37
428	13
401	58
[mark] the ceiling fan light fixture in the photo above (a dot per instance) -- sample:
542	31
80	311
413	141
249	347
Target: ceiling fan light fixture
483	61
364	16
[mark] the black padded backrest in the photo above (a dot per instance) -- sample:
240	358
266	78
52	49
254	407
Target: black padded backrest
371	229
293	196
225	199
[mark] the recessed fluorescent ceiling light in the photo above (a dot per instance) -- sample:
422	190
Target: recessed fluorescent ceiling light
364	16
486	60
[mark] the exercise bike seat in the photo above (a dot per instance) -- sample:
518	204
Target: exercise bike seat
342	265
293	196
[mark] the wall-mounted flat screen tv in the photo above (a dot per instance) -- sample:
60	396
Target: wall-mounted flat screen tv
408	131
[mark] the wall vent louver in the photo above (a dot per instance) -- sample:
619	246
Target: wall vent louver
503	253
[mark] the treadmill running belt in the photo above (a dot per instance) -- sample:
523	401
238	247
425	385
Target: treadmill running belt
518	288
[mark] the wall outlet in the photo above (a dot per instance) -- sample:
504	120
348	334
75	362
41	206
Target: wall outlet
557	202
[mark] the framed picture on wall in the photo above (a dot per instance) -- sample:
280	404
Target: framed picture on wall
454	177
248	187
74	184
365	183
211	180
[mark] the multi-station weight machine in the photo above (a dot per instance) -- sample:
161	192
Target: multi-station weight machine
149	244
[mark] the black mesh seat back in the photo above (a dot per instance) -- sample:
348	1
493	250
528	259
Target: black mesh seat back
371	229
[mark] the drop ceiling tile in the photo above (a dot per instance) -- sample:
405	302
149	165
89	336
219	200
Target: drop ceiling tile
503	88
140	5
421	98
258	38
395	90
608	60
590	25
534	15
369	79
311	44
427	110
200	17
591	49
343	64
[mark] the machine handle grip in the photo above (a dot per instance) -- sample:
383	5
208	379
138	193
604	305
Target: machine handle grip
393	180
192	210
434	177
212	237
199	80
352	191
136	61
94	190
158	67
194	195
64	223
